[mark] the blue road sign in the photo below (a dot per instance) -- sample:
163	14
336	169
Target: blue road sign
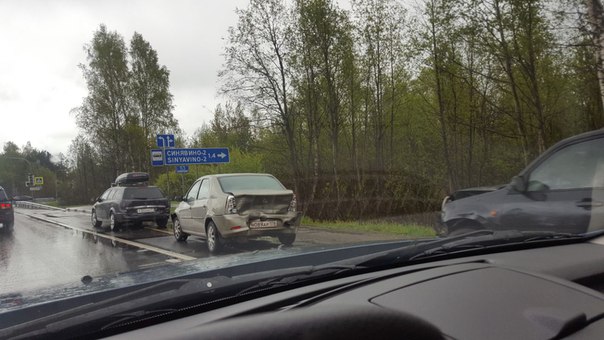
157	157
182	169
196	156
165	141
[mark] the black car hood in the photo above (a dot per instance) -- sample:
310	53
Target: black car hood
53	299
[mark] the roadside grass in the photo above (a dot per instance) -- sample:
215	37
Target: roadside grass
53	204
413	230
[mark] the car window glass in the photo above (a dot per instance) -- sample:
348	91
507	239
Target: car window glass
235	183
106	194
3	196
142	193
111	194
192	194
204	191
576	166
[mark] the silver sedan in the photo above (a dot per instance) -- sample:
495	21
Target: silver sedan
227	207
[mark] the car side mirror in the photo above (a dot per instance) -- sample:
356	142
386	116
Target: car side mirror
518	184
178	198
98	199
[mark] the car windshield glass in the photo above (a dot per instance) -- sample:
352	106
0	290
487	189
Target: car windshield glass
146	192
145	140
237	183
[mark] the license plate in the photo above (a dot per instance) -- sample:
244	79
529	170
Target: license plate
145	210
263	224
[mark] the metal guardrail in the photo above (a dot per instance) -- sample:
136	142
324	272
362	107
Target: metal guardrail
33	205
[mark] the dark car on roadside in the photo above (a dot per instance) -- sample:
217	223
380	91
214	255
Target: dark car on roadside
23	198
7	212
467	192
131	201
562	189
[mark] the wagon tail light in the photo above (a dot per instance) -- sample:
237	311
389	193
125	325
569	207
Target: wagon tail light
231	207
293	204
5	205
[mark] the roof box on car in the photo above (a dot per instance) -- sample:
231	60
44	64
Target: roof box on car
132	179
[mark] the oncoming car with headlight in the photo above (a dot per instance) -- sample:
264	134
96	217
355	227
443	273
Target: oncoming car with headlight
236	207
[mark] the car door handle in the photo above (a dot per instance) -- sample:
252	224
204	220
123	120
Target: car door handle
588	203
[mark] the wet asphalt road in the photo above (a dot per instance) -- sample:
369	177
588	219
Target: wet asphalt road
37	255
52	247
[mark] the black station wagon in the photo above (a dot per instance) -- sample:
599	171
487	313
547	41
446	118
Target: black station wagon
131	201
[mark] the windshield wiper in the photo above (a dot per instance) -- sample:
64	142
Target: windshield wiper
287	280
498	238
477	240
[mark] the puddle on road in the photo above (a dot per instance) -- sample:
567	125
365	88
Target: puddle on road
195	247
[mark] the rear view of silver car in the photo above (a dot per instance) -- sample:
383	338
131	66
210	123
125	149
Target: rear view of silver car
229	207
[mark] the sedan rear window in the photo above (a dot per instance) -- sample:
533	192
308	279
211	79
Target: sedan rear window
3	196
140	193
236	183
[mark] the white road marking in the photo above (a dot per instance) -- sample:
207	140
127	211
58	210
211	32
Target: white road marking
117	239
159	230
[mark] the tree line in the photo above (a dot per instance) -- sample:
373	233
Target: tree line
385	108
366	108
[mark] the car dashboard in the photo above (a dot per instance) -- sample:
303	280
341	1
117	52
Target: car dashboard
541	293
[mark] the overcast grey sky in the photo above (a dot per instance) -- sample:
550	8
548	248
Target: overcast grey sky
42	44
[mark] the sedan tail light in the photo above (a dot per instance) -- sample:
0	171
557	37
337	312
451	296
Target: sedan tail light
5	205
293	205
231	207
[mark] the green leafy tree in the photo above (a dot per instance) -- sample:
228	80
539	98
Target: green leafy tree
106	109
257	68
151	99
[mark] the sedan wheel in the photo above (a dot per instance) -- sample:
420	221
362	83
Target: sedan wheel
95	222
287	239
179	235
213	238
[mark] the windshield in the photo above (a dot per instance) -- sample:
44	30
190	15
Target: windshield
284	127
236	183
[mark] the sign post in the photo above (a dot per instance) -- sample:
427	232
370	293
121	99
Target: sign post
164	141
182	158
182	170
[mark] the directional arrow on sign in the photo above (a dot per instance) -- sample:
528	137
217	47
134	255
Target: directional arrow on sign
196	156
165	141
